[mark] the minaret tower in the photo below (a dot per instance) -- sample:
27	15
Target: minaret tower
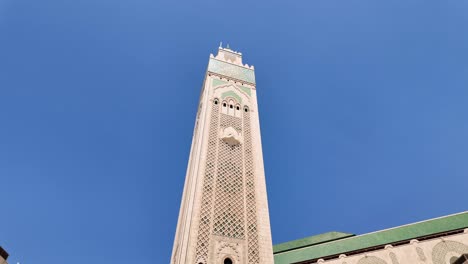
223	216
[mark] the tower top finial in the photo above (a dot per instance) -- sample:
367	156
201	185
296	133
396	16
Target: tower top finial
228	46
221	44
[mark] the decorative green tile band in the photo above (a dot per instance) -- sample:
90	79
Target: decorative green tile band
231	94
384	237
246	90
231	70
217	82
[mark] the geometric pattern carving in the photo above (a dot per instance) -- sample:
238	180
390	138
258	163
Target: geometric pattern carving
203	236
253	248
442	249
229	121
219	220
228	248
229	199
228	206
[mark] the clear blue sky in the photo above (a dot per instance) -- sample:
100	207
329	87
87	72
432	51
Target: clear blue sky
363	104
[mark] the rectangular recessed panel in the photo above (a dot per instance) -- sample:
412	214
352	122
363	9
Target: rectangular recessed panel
231	70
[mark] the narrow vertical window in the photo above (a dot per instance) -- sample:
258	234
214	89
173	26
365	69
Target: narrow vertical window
231	108
224	110
237	112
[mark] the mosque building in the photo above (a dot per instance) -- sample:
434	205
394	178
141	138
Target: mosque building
224	218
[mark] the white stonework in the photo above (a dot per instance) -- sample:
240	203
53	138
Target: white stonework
224	208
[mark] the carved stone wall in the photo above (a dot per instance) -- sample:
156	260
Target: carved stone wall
442	250
224	212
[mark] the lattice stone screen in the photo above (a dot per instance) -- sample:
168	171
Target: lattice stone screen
229	199
224	211
228	187
205	215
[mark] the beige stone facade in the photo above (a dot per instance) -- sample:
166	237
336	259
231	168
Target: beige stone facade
224	211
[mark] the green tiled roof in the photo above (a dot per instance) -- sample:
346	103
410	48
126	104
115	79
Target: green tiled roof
384	237
231	70
309	241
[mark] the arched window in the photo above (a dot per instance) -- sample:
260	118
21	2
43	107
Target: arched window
237	111
227	261
224	109
246	109
216	101
231	107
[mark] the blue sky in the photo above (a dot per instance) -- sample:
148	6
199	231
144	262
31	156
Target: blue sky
363	107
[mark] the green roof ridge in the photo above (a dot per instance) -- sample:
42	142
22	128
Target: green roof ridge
379	238
309	241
